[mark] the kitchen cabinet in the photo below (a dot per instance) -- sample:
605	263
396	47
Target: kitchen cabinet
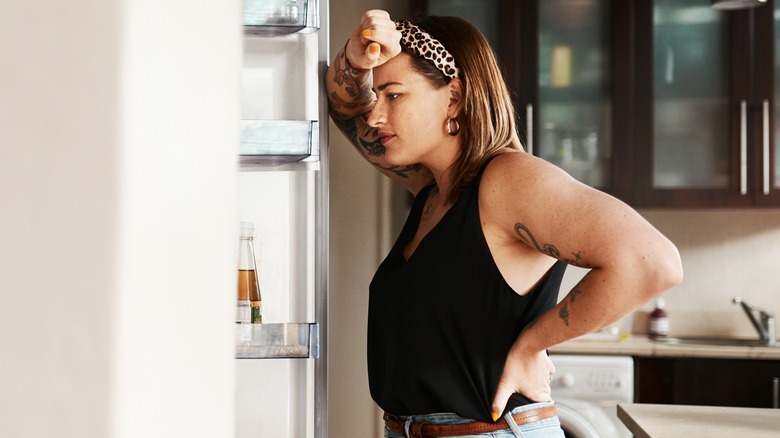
704	87
707	382
559	63
662	103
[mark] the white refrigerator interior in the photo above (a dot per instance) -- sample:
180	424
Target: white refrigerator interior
280	77
274	396
280	81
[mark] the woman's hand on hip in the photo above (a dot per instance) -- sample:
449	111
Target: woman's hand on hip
374	41
526	373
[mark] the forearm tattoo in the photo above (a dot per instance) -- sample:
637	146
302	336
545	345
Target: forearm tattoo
564	312
363	137
551	250
366	142
354	83
360	134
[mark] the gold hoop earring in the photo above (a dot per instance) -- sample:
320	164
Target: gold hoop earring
450	131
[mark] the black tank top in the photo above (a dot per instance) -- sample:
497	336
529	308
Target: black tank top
441	324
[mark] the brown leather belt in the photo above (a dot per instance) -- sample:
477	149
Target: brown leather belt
423	429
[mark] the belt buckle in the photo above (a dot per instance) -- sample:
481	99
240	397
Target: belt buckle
415	429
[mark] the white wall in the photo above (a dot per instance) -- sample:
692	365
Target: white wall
118	230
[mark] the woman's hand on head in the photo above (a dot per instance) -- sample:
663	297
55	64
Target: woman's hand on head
374	41
524	373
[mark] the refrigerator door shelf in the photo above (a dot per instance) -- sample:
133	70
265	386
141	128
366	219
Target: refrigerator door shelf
267	18
277	341
277	142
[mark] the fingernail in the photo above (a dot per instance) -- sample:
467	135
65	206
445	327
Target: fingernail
366	32
495	416
373	48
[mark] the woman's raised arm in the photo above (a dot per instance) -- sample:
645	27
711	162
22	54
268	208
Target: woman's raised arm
350	96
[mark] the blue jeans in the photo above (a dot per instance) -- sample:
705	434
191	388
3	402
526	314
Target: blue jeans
547	428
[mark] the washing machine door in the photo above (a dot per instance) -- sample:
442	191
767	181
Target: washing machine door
574	424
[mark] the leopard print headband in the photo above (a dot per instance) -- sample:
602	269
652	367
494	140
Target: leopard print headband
423	44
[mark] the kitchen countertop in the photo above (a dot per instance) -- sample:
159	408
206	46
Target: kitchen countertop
640	345
660	421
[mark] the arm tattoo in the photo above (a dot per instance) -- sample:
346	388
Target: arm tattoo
365	140
362	136
401	171
564	312
549	249
346	77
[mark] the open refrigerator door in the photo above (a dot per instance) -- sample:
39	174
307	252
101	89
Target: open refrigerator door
283	184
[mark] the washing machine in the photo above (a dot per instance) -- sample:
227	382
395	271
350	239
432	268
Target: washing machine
587	390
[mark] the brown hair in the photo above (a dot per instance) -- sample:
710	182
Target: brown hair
487	117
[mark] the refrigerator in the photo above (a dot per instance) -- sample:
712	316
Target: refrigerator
281	363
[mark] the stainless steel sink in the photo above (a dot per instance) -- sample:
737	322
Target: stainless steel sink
763	322
725	342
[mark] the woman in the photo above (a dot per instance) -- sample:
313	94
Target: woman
463	309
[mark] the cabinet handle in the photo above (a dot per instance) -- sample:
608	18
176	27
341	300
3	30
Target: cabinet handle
766	146
776	393
743	147
529	128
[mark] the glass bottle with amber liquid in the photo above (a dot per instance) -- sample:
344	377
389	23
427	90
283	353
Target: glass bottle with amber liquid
249	302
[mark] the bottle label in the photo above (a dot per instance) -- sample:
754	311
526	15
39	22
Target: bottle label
659	326
257	314
244	312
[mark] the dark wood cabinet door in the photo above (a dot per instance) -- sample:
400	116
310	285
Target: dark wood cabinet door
695	105
766	91
707	382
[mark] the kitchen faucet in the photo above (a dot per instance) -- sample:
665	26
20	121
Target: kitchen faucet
766	327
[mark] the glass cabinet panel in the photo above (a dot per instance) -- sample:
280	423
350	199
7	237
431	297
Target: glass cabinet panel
575	98
482	14
691	95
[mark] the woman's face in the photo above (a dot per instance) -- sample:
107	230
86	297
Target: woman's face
409	113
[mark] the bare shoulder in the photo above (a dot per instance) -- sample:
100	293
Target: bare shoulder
520	192
525	198
520	177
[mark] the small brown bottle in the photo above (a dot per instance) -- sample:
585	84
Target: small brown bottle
249	301
659	320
